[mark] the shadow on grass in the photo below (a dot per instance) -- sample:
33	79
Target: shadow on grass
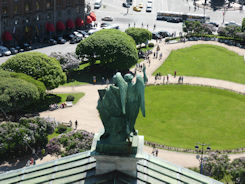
85	75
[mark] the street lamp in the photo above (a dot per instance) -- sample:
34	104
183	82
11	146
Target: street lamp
200	150
26	139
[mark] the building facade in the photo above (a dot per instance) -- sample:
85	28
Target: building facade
31	20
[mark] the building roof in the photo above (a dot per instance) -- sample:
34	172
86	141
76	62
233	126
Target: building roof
80	168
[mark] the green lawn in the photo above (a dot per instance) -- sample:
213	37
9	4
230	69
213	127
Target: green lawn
56	134
205	61
77	96
181	116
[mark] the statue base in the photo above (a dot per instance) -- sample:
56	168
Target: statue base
124	161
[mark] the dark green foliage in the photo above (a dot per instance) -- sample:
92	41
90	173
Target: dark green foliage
16	94
15	136
243	24
61	128
197	27
114	49
151	45
229	31
39	66
219	167
140	35
70	98
38	84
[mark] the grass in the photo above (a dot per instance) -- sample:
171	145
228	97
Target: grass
181	116
55	134
205	61
63	96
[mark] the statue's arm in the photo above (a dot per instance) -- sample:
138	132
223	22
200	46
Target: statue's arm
145	77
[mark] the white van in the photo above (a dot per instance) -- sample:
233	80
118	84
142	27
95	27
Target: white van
97	4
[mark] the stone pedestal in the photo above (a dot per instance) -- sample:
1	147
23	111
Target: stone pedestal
123	163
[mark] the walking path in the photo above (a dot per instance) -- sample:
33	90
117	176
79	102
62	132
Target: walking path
88	118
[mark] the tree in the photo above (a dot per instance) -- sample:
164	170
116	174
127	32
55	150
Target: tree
243	24
40	86
115	49
17	94
140	35
39	66
68	61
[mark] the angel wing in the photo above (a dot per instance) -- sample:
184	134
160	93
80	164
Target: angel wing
123	86
140	89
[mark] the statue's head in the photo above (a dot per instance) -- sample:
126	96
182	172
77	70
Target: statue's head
115	78
128	77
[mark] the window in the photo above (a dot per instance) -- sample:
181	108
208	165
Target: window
37	6
5	11
48	4
27	7
15	9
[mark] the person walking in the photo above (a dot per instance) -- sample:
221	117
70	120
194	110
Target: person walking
76	124
134	24
160	56
147	26
167	79
94	79
175	73
156	152
163	79
142	25
154	27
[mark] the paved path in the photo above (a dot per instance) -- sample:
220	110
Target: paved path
88	118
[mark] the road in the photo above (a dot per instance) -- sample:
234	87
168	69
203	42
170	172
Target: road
114	8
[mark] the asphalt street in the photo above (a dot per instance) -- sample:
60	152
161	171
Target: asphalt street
114	9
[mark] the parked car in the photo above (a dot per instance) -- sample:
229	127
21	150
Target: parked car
164	34
61	40
148	9
77	34
231	23
1	54
74	40
92	31
156	36
52	41
13	50
107	18
26	46
126	5
105	24
69	36
5	51
140	5
174	20
84	33
97	4
214	24
135	8
19	49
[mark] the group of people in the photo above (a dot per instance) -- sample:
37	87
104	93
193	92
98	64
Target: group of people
30	162
181	79
76	123
103	80
56	106
155	152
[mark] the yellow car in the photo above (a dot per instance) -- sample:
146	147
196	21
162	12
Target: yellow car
135	8
141	5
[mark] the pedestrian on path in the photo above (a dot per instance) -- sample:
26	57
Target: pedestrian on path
134	24
154	27
147	26
154	55
160	56
175	73
142	25
167	79
129	25
156	152
94	79
76	124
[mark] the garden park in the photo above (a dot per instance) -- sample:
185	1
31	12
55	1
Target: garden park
176	115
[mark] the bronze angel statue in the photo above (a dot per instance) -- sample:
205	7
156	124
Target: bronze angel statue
119	106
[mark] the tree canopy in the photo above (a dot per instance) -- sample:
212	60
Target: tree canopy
41	87
243	24
16	94
140	35
115	49
39	66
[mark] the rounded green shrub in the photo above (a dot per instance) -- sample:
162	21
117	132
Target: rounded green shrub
39	66
70	98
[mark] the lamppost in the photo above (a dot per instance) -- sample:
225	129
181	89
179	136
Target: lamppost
201	151
26	139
